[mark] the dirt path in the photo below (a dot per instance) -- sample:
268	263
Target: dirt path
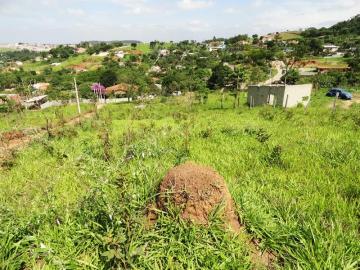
345	104
277	77
16	140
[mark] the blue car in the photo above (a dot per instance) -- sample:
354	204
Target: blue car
342	93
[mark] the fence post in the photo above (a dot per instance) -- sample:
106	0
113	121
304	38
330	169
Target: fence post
286	102
334	104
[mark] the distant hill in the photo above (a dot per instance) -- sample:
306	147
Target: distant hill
94	42
343	31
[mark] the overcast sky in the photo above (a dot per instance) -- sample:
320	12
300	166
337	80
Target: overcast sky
68	21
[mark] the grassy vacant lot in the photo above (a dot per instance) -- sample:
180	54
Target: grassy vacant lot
291	35
77	201
326	62
6	50
82	60
36	119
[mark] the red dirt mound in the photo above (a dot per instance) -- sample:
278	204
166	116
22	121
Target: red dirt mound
12	135
198	191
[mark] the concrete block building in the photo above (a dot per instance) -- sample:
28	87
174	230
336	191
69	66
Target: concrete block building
287	96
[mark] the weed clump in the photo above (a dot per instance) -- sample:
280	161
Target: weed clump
230	131
268	113
275	157
260	134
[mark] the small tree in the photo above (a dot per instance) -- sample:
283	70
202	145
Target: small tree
108	78
292	76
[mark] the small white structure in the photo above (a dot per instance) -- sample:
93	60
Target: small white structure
216	46
155	69
56	64
164	52
50	104
287	96
19	63
120	54
331	48
80	50
177	93
102	54
158	86
41	86
35	102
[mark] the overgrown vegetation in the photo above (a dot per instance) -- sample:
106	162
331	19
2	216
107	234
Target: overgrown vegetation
79	199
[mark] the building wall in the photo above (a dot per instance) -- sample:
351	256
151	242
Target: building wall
295	94
266	94
281	95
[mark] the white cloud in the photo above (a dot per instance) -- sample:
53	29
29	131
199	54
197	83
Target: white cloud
305	13
75	11
195	4
258	3
232	10
136	7
197	26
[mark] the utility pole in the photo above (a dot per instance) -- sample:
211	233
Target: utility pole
77	96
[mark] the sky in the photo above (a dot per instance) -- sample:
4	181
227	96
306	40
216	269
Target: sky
71	21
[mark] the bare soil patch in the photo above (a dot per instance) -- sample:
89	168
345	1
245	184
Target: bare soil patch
346	104
198	191
15	140
12	135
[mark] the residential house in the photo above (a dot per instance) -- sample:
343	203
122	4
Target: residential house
35	102
216	46
80	50
120	54
331	48
121	90
41	86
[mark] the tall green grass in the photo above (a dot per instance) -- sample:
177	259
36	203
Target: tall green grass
79	200
37	119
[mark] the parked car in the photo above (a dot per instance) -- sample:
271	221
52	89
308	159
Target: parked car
342	93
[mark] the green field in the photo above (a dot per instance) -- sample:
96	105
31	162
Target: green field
290	35
6	50
77	201
87	61
329	62
37	119
144	47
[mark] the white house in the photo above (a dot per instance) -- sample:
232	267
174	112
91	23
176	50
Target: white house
330	48
216	46
287	96
120	54
35	102
41	86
